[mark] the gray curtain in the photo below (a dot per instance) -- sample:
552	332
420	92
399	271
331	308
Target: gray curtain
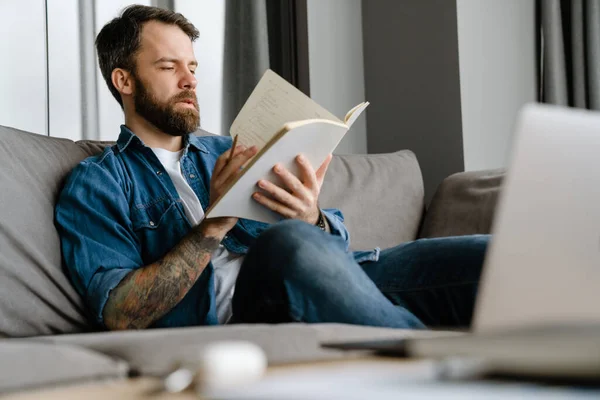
570	52
246	54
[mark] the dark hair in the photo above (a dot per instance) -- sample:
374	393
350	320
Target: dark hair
119	40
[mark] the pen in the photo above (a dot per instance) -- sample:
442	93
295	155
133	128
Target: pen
233	147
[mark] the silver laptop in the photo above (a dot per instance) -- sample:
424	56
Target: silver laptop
538	306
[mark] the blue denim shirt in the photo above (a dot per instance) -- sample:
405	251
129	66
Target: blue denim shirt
120	211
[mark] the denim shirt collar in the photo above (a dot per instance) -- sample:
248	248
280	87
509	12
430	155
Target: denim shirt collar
127	137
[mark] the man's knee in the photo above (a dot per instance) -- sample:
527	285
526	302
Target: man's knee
470	245
288	235
294	246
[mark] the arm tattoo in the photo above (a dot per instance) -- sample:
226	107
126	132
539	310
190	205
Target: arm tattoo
148	293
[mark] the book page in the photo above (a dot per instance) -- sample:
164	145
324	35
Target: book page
353	114
273	103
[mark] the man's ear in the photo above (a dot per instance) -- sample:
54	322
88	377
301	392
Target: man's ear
123	81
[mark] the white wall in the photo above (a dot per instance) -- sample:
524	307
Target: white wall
497	75
209	18
23	65
336	64
64	70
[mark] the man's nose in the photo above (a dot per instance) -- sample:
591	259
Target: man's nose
188	81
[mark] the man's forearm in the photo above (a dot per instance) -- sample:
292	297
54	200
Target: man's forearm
148	293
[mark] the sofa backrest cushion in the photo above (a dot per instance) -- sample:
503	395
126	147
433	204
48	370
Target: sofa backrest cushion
380	195
36	298
464	204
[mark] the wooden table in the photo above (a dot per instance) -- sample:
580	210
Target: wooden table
405	374
146	387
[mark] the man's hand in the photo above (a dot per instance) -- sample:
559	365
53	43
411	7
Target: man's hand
227	168
300	199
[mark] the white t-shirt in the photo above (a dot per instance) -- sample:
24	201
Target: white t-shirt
227	265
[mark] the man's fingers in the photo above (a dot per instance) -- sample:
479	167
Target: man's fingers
320	174
224	158
239	159
309	178
281	195
291	181
232	168
276	206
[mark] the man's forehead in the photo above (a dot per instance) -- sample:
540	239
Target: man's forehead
160	40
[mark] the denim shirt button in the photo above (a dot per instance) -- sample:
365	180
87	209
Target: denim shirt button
158	172
151	223
192	176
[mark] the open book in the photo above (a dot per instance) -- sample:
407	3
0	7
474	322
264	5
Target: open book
281	122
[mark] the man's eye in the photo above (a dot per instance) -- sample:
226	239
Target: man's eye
193	71
167	68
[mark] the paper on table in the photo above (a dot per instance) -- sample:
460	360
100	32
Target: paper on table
273	103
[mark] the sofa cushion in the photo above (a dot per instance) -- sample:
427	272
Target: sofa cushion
36	298
381	196
463	204
93	147
155	351
27	365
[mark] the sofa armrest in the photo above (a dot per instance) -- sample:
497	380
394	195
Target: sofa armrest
463	204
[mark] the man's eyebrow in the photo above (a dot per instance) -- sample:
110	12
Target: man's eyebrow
173	60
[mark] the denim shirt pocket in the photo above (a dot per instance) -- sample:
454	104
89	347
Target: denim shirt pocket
159	226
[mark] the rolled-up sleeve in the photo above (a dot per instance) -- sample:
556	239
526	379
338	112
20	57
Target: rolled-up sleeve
335	218
99	247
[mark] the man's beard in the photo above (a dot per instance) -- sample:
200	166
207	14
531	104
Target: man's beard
164	116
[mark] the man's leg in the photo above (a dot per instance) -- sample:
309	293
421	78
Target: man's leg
296	272
436	279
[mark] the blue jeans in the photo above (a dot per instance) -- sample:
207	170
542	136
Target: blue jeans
296	272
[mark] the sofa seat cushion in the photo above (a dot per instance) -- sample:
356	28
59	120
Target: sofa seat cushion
27	365
155	351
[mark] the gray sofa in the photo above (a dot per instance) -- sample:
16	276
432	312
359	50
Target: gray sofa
46	337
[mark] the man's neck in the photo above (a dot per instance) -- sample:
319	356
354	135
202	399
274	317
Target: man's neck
151	136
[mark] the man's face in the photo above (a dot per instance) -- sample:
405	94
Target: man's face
165	86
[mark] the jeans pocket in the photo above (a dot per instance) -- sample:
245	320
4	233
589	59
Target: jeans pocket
366	255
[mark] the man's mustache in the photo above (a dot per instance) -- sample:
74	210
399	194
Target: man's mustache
189	95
